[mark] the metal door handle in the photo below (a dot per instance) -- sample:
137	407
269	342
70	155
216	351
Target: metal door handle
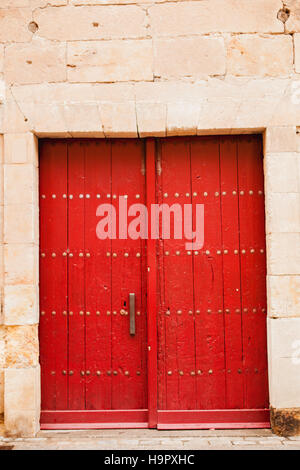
132	314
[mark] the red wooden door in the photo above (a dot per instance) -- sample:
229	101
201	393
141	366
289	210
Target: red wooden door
212	355
198	358
93	369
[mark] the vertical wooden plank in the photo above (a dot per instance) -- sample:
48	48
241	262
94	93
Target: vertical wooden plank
253	269
208	277
97	278
53	274
76	261
231	273
151	288
129	369
178	266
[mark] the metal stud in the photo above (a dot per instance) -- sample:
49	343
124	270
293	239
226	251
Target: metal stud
71	313
187	194
80	255
71	196
262	251
225	252
168	312
209	310
64	253
224	193
98	372
114	196
220	311
207	252
242	193
197	311
53	372
176	194
80	196
138	313
138	372
177	253
193	372
165	194
205	194
210	371
227	310
114	312
70	255
42	312
190	312
237	310
97	312
109	372
53	255
252	250
181	372
64	312
71	372
82	372
88	313
126	255
81	312
199	371
216	193
196	253
236	252
245	310
126	372
88	372
64	196
250	192
53	313
114	255
108	312
169	372
239	371
167	253
125	196
43	255
188	253
179	312
107	253
260	193
43	196
137	196
254	310
88	255
64	372
243	252
195	194
219	252
98	196
138	255
53	196
234	193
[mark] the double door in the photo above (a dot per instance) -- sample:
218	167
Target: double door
138	327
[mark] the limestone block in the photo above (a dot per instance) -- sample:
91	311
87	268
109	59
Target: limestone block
14	24
43	3
195	57
14	3
283	212
21	148
282	173
211	16
83	119
21	264
283	253
283	296
217	114
22	401
1	57
20	304
20	223
83	23
14	120
259	55
35	62
2	363
297	51
109	61
284	362
119	119
1	391
47	119
22	346
151	119
183	118
20	184
293	23
281	139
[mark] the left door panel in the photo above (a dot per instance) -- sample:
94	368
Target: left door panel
93	370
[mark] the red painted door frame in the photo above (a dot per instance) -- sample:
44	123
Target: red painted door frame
154	418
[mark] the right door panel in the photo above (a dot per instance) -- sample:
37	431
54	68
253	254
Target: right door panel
212	347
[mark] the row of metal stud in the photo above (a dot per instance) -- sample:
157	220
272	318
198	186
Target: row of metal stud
98	372
81	312
227	310
137	196
169	372
167	253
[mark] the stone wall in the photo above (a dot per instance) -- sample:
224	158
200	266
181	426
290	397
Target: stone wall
127	68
